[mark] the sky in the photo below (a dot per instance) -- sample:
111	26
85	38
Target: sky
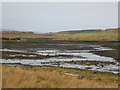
58	16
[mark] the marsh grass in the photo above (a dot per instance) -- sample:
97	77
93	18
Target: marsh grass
50	77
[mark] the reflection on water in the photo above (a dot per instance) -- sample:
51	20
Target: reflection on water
62	57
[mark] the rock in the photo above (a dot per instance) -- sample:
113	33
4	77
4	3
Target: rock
80	77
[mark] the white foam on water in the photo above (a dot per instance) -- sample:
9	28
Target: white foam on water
47	51
85	55
82	53
107	68
70	74
22	55
103	48
69	44
78	51
91	56
10	50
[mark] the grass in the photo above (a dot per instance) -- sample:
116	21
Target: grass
96	36
106	35
51	77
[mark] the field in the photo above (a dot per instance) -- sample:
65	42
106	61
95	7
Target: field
54	77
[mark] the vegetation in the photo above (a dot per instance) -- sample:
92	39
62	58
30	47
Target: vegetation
94	36
79	35
54	77
10	38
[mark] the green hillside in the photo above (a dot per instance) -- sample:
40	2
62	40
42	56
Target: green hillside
74	35
79	31
104	35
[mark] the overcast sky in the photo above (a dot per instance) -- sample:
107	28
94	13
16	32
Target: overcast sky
53	17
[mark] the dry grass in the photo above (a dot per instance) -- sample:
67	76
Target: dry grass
19	77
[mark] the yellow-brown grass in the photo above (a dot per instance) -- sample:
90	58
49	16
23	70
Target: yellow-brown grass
18	77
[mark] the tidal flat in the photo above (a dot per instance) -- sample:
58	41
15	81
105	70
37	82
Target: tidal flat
92	61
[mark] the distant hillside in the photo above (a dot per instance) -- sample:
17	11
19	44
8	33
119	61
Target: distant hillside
80	31
89	35
73	35
16	32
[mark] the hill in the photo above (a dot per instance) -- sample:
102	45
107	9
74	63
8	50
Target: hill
79	31
89	35
16	32
71	35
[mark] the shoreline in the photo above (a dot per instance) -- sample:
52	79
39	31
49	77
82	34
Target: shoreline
21	65
53	40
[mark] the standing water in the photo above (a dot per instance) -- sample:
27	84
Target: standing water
91	56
